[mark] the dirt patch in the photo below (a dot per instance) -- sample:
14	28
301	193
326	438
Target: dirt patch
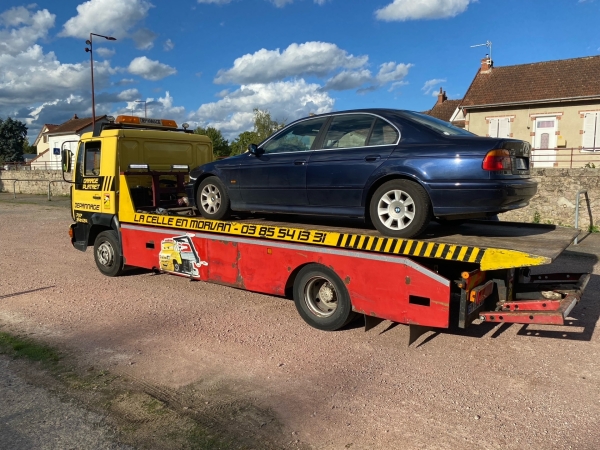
205	415
270	378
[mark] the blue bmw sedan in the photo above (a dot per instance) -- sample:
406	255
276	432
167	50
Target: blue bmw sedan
396	169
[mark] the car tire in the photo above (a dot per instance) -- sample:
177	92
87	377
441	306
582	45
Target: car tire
322	299
107	254
212	199
400	208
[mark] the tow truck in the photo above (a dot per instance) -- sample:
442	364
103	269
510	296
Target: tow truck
129	204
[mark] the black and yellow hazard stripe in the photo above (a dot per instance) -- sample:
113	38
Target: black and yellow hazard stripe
486	258
410	247
108	183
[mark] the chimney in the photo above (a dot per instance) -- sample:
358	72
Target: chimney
486	64
74	117
441	97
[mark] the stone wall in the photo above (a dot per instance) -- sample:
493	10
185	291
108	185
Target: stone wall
555	200
554	203
34	182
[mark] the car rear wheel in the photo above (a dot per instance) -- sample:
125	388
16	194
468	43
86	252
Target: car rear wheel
212	199
400	208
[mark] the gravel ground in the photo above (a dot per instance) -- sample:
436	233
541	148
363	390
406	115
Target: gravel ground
493	387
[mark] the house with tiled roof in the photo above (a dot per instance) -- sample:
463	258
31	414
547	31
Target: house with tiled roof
447	110
56	137
41	141
554	105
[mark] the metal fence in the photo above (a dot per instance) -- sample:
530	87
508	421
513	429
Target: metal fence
573	158
33	165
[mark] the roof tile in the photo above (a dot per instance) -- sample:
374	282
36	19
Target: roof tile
523	83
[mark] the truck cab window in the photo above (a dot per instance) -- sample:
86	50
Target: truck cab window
92	159
79	165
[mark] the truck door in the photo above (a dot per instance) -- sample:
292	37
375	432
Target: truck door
87	193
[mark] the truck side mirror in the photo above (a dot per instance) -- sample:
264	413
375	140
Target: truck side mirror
66	160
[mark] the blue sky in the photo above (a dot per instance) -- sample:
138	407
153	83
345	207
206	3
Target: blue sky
211	62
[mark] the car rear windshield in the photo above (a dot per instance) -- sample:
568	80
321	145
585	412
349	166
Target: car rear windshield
436	124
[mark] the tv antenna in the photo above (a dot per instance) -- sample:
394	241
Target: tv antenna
488	44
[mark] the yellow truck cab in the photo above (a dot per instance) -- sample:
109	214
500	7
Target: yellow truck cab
135	162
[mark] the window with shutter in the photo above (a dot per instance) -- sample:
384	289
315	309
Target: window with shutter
591	131
499	127
504	127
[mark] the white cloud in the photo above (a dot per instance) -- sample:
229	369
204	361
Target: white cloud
430	85
149	69
106	17
129	95
20	29
104	52
310	58
348	80
389	72
168	45
281	3
401	10
32	76
286	101
144	38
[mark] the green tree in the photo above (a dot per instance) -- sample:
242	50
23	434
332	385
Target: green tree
220	144
28	148
264	126
13	134
240	143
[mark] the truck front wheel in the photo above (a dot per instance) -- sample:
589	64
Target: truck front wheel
322	299
107	254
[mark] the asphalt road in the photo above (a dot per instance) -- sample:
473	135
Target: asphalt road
493	387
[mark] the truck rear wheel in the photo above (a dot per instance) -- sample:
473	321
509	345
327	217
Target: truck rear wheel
322	299
107	254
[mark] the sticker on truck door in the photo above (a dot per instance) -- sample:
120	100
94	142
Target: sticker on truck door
178	255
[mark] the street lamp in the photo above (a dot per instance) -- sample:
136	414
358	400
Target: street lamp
144	102
90	50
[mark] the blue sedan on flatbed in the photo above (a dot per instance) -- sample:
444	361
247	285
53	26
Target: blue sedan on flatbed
397	169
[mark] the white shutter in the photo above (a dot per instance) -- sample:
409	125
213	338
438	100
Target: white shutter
493	128
590	131
504	127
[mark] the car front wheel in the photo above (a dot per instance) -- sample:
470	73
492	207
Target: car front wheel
212	199
400	208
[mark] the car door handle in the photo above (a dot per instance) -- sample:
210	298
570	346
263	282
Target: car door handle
96	197
300	162
372	158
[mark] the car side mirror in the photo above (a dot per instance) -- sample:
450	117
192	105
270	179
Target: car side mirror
253	149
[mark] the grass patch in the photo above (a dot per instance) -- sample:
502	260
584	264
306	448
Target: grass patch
19	347
593	229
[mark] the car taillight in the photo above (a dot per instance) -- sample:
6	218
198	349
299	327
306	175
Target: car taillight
497	160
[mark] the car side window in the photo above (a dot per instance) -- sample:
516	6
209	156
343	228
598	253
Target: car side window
348	131
297	138
383	133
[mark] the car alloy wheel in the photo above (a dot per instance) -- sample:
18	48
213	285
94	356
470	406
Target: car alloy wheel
210	199
400	208
396	209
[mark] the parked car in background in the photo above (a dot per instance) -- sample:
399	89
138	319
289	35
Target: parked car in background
397	169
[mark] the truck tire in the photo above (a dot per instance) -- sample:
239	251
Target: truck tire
107	254
400	208
322	299
212	199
